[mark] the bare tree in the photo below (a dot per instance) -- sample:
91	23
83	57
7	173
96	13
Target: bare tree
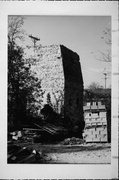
106	37
15	31
94	86
59	98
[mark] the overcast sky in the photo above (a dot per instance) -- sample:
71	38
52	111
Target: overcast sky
81	34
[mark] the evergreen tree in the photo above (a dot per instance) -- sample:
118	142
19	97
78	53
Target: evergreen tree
24	88
49	99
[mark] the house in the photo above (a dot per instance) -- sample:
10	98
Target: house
95	117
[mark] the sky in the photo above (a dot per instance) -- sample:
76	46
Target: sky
82	34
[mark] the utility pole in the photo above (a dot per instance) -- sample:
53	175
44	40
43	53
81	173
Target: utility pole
34	39
105	78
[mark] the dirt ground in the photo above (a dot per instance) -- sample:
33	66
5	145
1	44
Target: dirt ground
90	153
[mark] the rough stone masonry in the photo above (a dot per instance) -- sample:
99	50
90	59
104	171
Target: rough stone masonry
60	72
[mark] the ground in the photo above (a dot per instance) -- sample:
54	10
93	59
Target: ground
93	153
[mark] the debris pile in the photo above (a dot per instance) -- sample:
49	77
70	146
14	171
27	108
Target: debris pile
31	135
39	134
17	154
27	135
16	135
72	141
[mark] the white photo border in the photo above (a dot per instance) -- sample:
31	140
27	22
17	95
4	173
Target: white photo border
44	171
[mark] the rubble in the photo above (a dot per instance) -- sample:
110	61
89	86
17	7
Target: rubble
46	133
17	154
16	135
72	141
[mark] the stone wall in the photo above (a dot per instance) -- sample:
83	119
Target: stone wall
49	69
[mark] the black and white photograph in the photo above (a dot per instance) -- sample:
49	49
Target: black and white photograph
59	89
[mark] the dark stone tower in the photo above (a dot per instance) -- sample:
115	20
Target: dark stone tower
73	90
